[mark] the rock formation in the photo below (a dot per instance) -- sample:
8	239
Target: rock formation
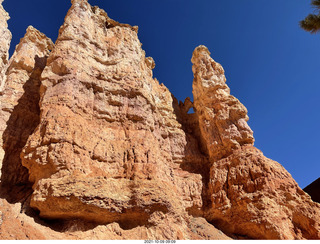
4	44
245	188
20	107
105	127
96	148
4	55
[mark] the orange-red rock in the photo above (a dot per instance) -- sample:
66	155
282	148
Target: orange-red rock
256	197
108	147
111	154
251	195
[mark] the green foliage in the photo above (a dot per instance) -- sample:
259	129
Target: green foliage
312	22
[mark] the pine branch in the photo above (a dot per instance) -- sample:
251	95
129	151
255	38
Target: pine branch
316	4
311	23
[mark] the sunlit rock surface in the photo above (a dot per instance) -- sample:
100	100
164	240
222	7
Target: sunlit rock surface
95	148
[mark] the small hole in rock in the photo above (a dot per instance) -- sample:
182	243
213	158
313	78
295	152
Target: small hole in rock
191	111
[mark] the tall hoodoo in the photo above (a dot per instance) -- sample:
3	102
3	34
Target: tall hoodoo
245	187
222	118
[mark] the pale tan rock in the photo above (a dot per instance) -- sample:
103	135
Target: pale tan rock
222	118
103	200
19	106
15	225
164	227
5	38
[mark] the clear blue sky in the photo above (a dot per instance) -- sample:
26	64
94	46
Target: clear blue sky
272	66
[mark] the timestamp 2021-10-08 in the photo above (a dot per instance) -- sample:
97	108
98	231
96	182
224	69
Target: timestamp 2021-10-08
159	241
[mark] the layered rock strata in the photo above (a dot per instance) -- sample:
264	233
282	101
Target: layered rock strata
111	154
108	147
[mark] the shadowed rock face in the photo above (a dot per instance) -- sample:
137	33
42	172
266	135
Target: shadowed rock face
20	109
111	154
314	190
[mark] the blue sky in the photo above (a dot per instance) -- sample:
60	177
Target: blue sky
271	65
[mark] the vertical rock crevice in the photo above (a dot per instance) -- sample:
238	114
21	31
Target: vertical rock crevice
195	160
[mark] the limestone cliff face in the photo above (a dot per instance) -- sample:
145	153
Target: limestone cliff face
111	154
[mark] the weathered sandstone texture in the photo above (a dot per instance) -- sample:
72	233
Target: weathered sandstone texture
250	195
95	148
4	44
5	38
108	146
20	107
